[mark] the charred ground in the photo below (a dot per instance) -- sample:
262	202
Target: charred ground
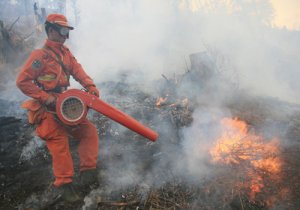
26	164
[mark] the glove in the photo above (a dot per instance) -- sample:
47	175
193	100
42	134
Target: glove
51	100
93	90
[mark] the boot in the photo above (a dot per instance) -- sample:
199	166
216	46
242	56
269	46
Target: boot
69	193
89	178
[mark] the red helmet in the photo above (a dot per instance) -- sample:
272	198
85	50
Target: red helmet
58	19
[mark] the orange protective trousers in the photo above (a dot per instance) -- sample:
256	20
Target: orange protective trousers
56	137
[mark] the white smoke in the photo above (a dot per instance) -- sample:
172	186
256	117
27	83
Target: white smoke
31	149
148	38
198	139
155	37
151	37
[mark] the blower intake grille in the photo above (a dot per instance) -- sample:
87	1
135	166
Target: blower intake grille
72	108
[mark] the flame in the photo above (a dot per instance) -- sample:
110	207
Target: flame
238	146
185	102
161	100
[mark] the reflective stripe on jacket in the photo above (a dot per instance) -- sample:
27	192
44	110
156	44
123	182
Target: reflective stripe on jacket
42	73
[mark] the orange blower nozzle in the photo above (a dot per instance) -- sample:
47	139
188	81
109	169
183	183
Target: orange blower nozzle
72	107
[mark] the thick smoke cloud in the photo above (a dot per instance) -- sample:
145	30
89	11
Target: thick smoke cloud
155	37
150	38
147	38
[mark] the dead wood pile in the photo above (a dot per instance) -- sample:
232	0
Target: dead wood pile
17	40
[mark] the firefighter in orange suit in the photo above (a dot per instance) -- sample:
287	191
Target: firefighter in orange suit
43	77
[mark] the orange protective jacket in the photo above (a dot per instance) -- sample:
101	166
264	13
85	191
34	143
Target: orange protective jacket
49	68
45	72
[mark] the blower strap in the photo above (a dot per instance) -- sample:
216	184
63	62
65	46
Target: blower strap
58	60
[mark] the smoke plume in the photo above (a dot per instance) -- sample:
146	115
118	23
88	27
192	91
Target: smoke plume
154	37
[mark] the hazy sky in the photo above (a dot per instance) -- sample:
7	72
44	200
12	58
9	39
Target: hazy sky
286	13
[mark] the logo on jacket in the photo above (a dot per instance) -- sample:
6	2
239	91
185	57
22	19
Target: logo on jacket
36	64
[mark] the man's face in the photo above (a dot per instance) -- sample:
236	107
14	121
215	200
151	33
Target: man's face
59	34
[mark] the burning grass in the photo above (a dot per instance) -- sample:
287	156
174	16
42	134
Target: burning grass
247	170
238	147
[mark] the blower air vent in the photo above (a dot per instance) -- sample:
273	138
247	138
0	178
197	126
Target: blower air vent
72	108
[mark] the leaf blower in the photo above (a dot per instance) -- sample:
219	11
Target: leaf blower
72	107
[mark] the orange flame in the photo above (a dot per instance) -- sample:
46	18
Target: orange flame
238	146
161	101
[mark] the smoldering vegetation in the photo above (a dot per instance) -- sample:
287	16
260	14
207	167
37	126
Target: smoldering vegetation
187	167
177	171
